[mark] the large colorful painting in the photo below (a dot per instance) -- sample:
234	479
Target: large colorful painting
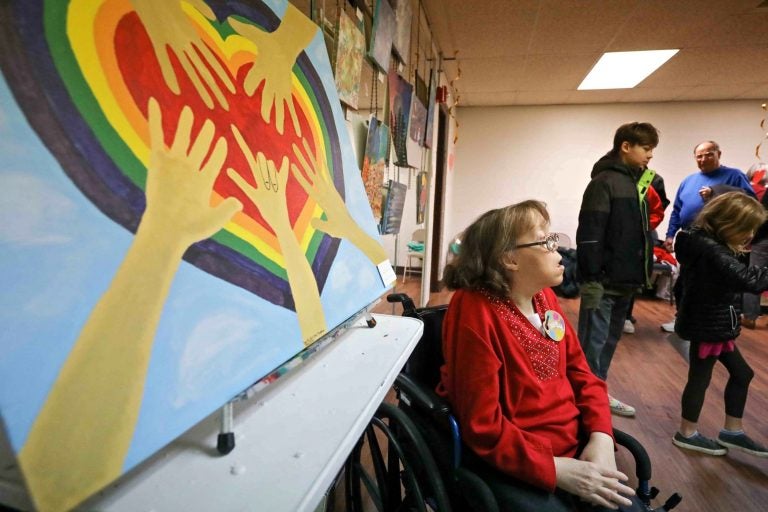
400	94
350	48
182	213
382	34
375	162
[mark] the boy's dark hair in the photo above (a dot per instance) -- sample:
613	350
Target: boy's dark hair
644	134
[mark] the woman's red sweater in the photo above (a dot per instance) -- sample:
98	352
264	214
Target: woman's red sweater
520	398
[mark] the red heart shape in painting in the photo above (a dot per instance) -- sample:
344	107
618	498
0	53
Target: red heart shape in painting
94	157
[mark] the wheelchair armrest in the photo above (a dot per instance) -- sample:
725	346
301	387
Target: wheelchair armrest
642	462
418	396
409	308
426	401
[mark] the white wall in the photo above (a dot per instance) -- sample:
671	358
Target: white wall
508	154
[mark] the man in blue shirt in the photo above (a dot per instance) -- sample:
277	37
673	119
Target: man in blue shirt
697	188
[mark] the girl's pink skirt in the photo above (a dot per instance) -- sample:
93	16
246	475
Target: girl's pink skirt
714	349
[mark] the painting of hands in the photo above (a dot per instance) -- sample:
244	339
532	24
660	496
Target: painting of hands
195	213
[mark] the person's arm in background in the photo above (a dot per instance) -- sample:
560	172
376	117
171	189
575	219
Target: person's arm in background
708	193
655	208
674	220
661	190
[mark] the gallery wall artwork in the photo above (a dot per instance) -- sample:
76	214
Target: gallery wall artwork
375	163
418	122
400	95
350	49
392	209
403	20
183	213
382	35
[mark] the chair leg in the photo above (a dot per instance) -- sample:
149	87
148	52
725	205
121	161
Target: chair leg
405	268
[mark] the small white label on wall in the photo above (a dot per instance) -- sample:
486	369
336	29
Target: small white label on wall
386	272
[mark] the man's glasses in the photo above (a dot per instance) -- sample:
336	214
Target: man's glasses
549	242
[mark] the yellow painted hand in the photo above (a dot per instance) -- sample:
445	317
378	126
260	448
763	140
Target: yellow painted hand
81	435
168	25
179	185
316	181
269	197
278	51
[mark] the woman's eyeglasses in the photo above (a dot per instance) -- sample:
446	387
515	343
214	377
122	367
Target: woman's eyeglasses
550	242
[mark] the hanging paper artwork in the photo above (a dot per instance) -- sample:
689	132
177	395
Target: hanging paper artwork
375	162
400	95
380	49
350	48
402	40
392	212
430	109
421	196
418	121
177	181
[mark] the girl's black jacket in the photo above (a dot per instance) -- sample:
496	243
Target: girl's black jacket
712	279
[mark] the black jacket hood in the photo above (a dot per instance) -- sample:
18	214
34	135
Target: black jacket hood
609	161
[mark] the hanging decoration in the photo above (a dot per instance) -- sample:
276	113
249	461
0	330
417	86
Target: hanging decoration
456	98
762	127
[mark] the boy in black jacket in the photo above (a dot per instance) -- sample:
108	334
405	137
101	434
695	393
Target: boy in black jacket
613	247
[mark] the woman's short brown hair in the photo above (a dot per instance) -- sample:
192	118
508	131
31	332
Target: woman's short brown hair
480	264
729	216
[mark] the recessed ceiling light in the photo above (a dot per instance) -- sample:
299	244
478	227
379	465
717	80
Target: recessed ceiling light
624	70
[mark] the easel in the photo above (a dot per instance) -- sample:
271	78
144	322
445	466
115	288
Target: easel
225	441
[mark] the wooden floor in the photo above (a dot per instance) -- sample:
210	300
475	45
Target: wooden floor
649	373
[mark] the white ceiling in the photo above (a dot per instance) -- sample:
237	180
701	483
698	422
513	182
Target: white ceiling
536	52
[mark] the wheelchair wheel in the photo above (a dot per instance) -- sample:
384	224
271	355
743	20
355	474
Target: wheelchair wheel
405	477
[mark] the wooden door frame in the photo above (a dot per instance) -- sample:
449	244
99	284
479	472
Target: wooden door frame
437	214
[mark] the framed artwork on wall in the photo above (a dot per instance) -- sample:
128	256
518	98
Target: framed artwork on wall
172	193
350	49
375	163
400	97
392	209
418	122
382	34
404	21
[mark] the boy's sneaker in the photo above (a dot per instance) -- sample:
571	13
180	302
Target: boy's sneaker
741	441
628	327
699	443
619	408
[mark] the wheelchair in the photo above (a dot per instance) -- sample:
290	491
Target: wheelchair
415	447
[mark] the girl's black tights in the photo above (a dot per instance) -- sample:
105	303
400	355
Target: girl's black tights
699	375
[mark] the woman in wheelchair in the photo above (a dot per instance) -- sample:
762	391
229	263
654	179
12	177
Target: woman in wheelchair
529	408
